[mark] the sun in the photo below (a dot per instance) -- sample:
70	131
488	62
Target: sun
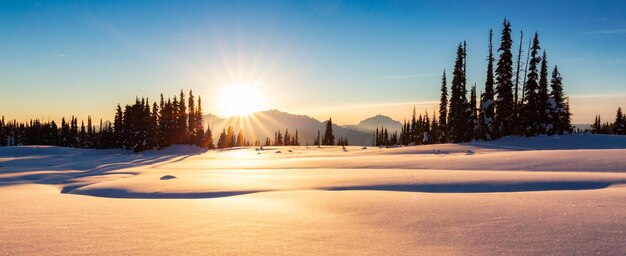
240	100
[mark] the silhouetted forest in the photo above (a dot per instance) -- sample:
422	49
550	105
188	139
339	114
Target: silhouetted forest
502	109
137	127
618	127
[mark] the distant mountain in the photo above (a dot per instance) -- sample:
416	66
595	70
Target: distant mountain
370	124
104	124
262	125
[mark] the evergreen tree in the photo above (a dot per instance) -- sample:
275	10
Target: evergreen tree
426	133
165	111
153	130
199	125
230	137
532	113
118	126
208	139
65	133
221	142
240	139
620	123
487	112
473	122
82	135
191	123
560	118
329	137
183	137
74	139
443	111
91	134
459	113
287	140
504	115
543	109
318	139
518	68
174	126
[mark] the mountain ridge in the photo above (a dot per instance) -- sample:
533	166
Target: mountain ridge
261	125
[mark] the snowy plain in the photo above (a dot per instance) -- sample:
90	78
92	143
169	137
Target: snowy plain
557	195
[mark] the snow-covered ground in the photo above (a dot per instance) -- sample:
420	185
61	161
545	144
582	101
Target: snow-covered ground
545	195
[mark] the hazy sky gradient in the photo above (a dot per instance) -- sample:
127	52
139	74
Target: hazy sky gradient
349	60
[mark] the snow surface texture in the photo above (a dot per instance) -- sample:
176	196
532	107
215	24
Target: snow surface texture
545	195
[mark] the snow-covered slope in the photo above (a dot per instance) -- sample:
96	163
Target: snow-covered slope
545	195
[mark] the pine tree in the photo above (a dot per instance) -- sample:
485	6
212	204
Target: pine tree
208	139
74	139
191	121
559	108
518	68
230	137
240	139
329	137
532	115
443	111
487	112
65	133
183	137
619	127
82	135
458	117
504	115
543	109
118	126
279	139
164	120
287	140
199	125
153	130
473	122
91	134
221	142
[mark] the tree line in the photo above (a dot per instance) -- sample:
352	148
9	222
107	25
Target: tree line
500	110
137	127
618	127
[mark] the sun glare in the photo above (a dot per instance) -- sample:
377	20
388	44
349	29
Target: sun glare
240	100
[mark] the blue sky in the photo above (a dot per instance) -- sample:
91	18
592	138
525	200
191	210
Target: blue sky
346	59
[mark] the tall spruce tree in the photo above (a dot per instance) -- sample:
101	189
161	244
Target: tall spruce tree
473	124
191	120
619	127
532	113
560	119
518	69
457	121
208	139
199	137
182	120
543	97
504	112
487	111
154	137
329	137
443	111
118	127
